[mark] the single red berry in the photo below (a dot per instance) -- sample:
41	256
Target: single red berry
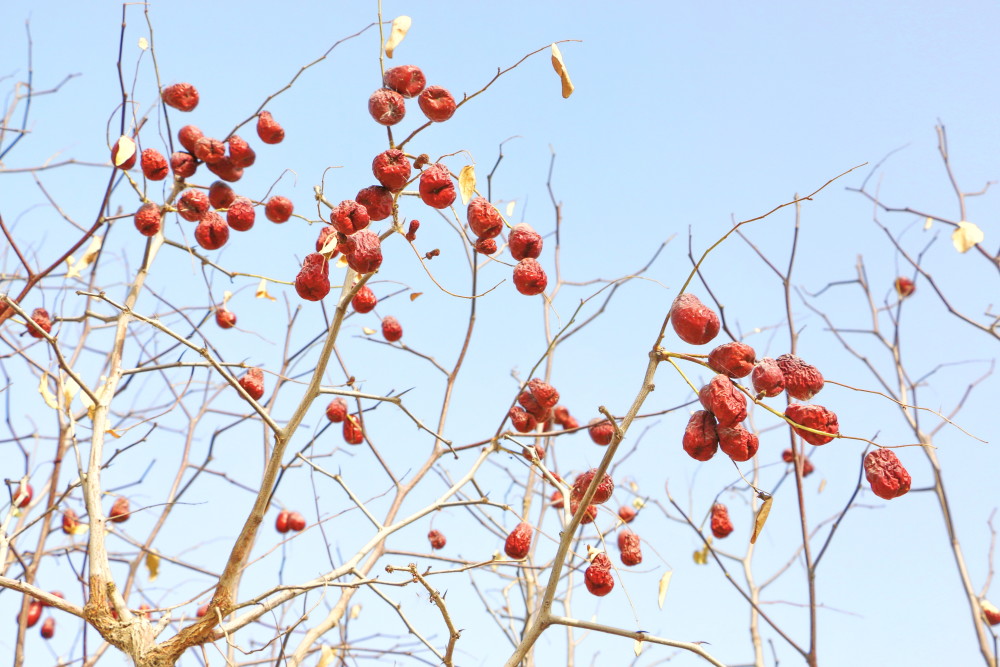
522	421
154	165
904	287
32	614
486	246
601	431
313	280
407	80
437	189
437	104
724	400
120	511
605	488
327	234
278	209
363	251
268	129
518	543
589	514
147	219
391	169
524	242
377	200
183	164
209	150
364	301
41	317
629	545
693	321
220	195
281	523
737	443
815	417
392	330
123	144
484	219
701	439
240	152
436	539
202	610
212	232
802	380
353	430
48	628
181	96
253	383
70	522
626	513
192	205
529	277
22	494
733	359
598	579
241	215
336	412
296	521
886	474
386	106
721	525
349	216
544	393
226	319
767	378
189	136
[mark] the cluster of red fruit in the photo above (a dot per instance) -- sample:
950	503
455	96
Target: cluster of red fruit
719	424
287	521
336	412
33	613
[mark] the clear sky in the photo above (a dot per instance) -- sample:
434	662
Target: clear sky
685	117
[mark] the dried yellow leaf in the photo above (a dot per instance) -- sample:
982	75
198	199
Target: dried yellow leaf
638	503
153	565
355	611
822	485
510	208
415	295
143	43
966	235
113	433
329	247
758	523
701	556
560	67
226	296
467	183
89	255
927	223
126	149
367	331
664	585
637	647
326	656
262	290
400	25
79	529
47	395
341	262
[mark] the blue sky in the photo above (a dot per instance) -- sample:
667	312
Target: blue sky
686	116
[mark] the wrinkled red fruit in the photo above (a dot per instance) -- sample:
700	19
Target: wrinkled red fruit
129	162
628	544
524	242
437	189
816	417
147	219
733	359
767	378
363	251
281	523
392	330
904	287
807	467
589	514
557	499
240	153
886	474
22	494
313	280
268	129
327	234
154	165
181	96
192	205
693	321
336	411
437	104
391	169
353	430
41	317
386	106
377	200
48	628
183	164
522	421
519	541
529	277
737	443
296	521
626	513
486	246
604	489
802	380
701	440
70	522
220	195
226	319
724	400
436	539
278	209
226	170
349	216
484	219
253	383
364	301
597	576
601	431
120	511
407	80
721	525
544	393
32	614
209	150
561	415
212	232
189	136
531	453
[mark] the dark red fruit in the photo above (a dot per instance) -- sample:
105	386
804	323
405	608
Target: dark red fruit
296	521
253	383
724	400
154	165
349	216
589	514
767	378
386	106
353	430
183	164
209	150
693	321
192	205
701	439
240	153
486	246
904	287
220	195
363	251
598	577
326	233
212	232
802	380
626	513
364	301
733	359
815	417
484	219
721	525
189	136
522	421
601	431
226	319
407	80
32	613
437	189
313	281
886	474
518	543
529	277
281	523
336	412
120	511
392	330
737	443
268	129
241	215
41	317
278	209
411	232
391	169
524	242
604	489
628	544
181	96
48	628
377	200
436	539
437	104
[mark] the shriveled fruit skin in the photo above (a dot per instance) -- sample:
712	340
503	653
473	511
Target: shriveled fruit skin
524	242
386	106
437	104
589	514
738	443
522	421
377	200
220	195
392	330
353	430
601	431
363	251
721	524
518	542
767	378
701	440
154	165
802	380
391	169
212	232
181	96
733	359
628	544
189	136
815	417
253	383
268	129
604	489
336	411
407	80
41	317
693	321
241	214
364	301
887	476
436	187
278	209
192	205
529	277
484	219
313	281
436	539
183	164
147	219
349	217
597	577
240	152
724	400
